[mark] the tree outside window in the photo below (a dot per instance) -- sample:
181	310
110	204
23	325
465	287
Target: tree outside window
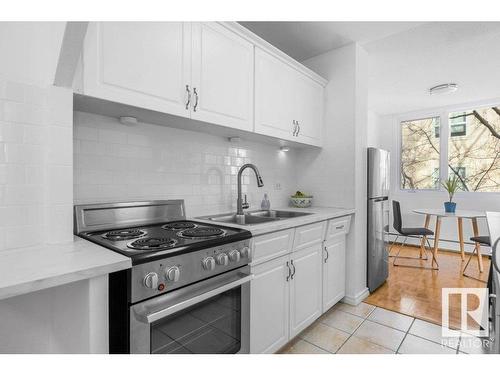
419	153
478	152
473	151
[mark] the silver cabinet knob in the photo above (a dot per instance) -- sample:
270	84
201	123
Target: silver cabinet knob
173	274
234	255
245	252
208	263
151	280
222	259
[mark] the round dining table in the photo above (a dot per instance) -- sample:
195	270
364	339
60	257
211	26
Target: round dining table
459	215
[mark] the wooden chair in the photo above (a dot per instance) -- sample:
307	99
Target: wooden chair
478	240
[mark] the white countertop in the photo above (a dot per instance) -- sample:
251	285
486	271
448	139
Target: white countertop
34	268
318	214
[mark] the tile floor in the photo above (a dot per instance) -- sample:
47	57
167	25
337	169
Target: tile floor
367	329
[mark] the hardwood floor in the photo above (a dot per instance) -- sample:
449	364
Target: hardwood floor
417	292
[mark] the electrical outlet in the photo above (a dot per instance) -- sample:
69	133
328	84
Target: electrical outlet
277	186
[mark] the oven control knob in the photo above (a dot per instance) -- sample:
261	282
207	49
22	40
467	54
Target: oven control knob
208	263
151	280
234	255
173	274
222	259
245	252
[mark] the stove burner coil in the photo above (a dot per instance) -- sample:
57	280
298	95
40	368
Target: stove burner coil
152	243
202	232
124	234
177	225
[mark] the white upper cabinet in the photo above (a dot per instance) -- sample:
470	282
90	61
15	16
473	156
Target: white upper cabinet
215	72
144	64
274	114
288	103
309	106
222	75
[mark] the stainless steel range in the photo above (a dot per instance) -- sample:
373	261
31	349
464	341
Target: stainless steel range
187	291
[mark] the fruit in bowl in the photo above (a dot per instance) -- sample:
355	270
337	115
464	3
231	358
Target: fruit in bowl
301	200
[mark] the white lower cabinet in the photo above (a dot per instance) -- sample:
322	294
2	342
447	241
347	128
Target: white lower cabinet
269	306
285	297
305	288
333	272
294	285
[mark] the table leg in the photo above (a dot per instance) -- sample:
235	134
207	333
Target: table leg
461	237
436	239
424	238
475	229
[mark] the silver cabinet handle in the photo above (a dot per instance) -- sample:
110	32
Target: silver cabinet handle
298	129
189	96
294	128
293	265
196	99
289	272
327	254
340	227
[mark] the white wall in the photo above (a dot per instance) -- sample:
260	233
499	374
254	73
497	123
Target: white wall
115	162
336	174
388	138
36	194
36	164
30	51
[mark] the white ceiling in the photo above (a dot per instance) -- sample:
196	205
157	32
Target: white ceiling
302	40
404	66
405	58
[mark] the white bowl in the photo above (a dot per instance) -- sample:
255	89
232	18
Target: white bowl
301	202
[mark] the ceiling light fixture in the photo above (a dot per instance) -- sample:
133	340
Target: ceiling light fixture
445	88
284	148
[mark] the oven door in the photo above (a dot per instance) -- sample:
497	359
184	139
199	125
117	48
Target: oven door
203	318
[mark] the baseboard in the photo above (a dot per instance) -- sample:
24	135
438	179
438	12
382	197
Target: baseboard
357	299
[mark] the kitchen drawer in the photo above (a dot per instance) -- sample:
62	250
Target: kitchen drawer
308	235
338	226
272	245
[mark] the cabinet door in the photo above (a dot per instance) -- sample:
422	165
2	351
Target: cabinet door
269	306
305	289
309	104
333	271
274	90
144	64
223	74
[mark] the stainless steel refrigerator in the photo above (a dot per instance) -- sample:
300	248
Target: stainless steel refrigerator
378	217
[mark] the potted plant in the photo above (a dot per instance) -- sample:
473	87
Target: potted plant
451	186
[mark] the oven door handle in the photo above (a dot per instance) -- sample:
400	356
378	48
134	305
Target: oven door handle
153	310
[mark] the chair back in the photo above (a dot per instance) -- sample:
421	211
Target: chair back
396	213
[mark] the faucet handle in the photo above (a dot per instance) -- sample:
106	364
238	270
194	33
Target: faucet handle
245	204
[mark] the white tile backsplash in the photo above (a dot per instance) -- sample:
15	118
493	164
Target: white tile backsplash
36	165
116	162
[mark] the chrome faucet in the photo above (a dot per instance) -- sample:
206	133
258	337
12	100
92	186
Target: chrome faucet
260	183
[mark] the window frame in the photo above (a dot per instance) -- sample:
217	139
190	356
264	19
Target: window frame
443	113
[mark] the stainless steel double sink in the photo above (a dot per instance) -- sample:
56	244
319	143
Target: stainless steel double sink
254	217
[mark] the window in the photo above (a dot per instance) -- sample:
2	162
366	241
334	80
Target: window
473	149
420	153
458	125
478	151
